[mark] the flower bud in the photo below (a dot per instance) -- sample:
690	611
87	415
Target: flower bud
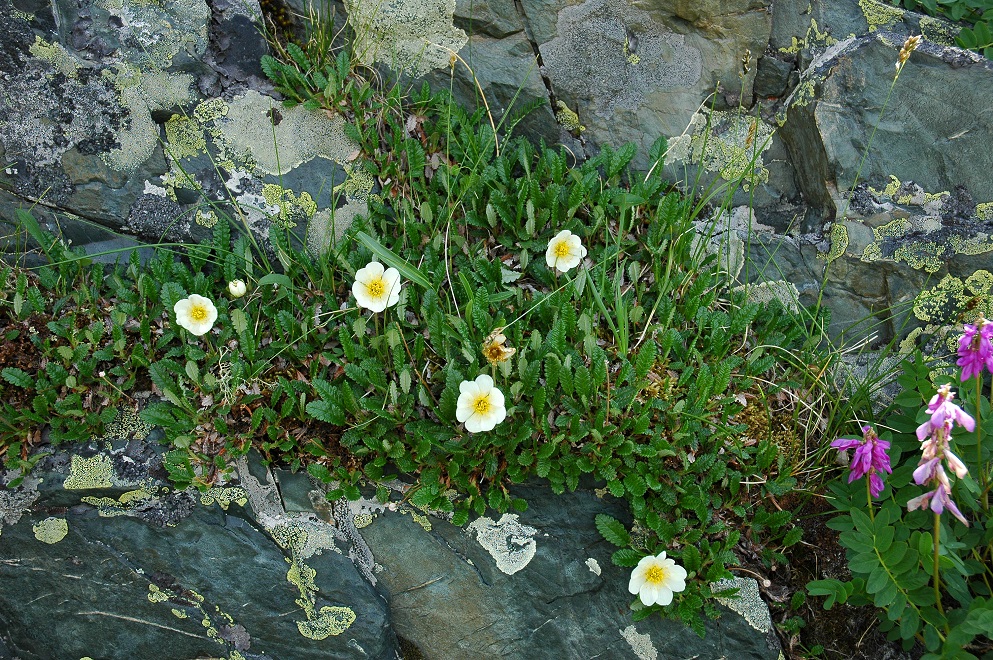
237	288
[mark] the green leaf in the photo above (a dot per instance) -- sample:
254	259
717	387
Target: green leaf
391	259
17	377
612	530
626	557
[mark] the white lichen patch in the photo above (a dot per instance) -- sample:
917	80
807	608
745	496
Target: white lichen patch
592	56
641	644
785	292
275	150
412	36
51	530
141	93
594	566
747	602
15	502
161	29
510	543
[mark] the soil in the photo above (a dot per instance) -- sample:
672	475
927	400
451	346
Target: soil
843	631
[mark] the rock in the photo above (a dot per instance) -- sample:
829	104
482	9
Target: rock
136	565
537	584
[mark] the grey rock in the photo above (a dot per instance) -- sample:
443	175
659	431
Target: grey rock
772	76
537	584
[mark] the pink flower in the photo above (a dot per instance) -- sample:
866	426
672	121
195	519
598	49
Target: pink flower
870	458
976	348
937	500
941	409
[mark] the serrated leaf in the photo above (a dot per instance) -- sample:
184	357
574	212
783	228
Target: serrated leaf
626	557
612	530
17	377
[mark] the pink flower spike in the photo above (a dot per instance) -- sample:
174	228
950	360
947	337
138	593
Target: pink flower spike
976	348
956	464
925	471
875	484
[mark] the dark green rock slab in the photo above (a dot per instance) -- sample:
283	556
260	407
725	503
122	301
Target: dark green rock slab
213	586
554	606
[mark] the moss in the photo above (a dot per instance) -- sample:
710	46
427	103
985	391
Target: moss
51	530
880	15
90	473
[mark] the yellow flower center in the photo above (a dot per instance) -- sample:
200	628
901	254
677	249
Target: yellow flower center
198	313
482	405
561	250
376	288
655	575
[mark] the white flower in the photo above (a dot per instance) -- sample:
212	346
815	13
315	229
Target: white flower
565	251
480	405
655	579
237	288
196	313
376	289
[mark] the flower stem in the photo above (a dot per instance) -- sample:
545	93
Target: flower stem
868	497
937	578
983	481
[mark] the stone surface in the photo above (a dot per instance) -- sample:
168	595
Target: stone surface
124	564
537	584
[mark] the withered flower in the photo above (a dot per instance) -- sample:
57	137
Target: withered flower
909	46
494	350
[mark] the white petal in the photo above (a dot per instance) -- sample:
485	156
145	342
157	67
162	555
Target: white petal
664	596
484	382
649	594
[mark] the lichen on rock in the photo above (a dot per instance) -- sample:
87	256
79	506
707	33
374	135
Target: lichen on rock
591	57
412	36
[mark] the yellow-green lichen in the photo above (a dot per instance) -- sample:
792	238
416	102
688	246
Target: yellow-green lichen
567	118
893	229
936	303
291	207
205	218
813	38
185	137
127	424
51	530
839	241
329	621
157	594
56	55
880	15
89	473
319	624
357	185
872	252
921	255
980	244
938	31
210	110
728	143
109	508
362	520
224	496
889	190
984	211
631	58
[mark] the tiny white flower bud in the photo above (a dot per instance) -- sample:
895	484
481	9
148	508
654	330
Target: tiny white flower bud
237	288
